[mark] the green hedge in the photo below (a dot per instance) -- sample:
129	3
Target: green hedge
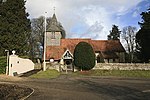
2	64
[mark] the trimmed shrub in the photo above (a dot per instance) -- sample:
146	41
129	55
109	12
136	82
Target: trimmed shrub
2	64
84	56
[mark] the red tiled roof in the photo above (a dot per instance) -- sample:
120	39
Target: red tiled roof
71	43
56	52
114	45
109	55
99	45
107	45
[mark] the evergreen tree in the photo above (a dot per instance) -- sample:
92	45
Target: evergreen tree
84	56
143	37
15	26
114	33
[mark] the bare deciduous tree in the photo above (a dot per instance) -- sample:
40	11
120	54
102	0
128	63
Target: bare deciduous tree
38	28
37	25
128	35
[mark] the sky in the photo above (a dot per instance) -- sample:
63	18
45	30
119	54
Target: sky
90	18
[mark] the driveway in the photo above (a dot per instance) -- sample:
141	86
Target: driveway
66	87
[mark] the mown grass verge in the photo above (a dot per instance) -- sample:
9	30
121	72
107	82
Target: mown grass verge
48	74
119	73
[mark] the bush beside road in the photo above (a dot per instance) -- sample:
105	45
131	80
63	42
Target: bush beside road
2	64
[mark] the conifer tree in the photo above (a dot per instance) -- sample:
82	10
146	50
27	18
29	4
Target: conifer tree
114	33
143	37
14	26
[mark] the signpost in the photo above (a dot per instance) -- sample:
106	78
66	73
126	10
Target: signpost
7	51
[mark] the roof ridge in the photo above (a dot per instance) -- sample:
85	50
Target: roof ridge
77	39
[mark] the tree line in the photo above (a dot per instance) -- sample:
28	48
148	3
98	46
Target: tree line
15	27
18	32
128	35
136	42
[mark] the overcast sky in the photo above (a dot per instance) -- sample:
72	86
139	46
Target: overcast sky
90	18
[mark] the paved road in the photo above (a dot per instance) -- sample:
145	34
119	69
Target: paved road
87	88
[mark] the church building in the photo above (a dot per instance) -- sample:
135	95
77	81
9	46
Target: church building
60	49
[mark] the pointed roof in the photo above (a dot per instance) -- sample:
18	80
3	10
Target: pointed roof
54	25
54	19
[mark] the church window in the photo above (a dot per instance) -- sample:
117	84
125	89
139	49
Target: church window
53	35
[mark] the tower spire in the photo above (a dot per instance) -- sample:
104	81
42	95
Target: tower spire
54	8
54	19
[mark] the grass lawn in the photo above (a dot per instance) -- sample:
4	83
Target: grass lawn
48	74
119	73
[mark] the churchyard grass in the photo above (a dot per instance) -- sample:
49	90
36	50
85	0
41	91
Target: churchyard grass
118	73
48	74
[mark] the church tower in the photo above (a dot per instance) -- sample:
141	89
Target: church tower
55	32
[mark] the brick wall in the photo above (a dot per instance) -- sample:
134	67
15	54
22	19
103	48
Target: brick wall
122	66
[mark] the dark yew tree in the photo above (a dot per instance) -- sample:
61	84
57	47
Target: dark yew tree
114	33
84	56
143	37
15	27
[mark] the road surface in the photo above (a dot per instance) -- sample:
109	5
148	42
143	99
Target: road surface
66	87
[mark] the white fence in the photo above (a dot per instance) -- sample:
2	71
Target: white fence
122	66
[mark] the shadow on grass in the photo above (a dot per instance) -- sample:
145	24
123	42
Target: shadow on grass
27	74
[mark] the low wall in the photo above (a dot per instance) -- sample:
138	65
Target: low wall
19	65
122	66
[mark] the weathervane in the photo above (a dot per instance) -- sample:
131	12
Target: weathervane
54	9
